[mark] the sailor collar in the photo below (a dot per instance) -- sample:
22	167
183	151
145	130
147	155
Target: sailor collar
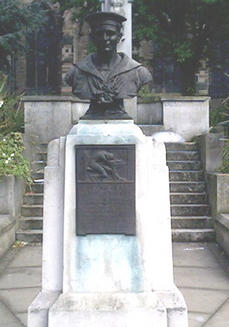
126	64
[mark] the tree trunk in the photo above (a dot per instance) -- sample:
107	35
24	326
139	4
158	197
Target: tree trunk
188	77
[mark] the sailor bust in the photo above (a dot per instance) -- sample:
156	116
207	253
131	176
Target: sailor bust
106	77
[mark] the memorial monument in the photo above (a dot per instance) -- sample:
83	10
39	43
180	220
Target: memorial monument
107	257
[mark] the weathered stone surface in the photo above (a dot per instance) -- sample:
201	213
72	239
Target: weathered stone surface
220	319
189	209
7	232
103	266
28	223
197	319
32	210
124	309
9	281
218	190
57	122
149	130
187	146
119	133
182	155
193	235
186	176
196	276
186	116
30	236
150	114
204	300
14	298
7	318
33	198
192	222
39	309
211	148
29	256
187	186
222	231
179	198
11	194
193	255
184	165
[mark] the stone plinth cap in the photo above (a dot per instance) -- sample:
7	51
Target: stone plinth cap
184	98
223	218
52	98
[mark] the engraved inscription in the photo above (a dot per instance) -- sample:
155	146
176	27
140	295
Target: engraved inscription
105	189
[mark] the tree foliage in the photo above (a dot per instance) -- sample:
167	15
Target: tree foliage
16	21
187	30
80	8
11	110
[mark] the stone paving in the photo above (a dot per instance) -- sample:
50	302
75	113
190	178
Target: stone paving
201	272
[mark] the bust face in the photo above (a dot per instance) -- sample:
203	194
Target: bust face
106	38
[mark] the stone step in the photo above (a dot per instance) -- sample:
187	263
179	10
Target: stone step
39	180
189	209
30	223
37	165
41	156
41	147
197	186
184	165
38	175
192	222
186	175
35	210
149	130
182	155
179	146
33	198
193	235
30	236
35	188
188	198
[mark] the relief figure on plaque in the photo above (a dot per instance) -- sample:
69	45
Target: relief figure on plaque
102	166
106	77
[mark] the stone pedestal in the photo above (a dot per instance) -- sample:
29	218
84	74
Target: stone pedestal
108	279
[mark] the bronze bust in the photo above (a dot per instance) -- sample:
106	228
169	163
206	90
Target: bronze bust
106	77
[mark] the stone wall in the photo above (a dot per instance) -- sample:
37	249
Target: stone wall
218	190
11	195
49	117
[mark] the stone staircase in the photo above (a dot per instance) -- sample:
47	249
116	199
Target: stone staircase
31	220
190	211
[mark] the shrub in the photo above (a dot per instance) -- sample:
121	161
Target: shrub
12	160
11	111
225	164
216	115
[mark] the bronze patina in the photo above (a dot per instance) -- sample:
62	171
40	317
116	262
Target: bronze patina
105	189
106	77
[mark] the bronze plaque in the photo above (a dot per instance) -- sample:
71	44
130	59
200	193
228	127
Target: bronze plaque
105	189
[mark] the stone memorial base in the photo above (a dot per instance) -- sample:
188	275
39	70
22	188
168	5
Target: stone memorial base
118	277
153	309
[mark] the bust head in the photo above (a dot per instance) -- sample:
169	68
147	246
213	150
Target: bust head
105	30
